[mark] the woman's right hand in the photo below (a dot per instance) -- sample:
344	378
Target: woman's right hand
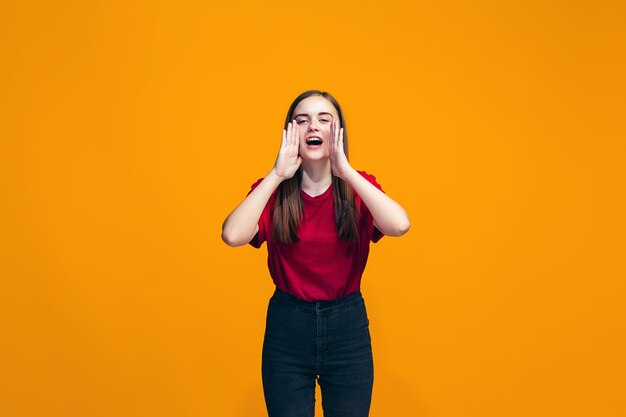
288	161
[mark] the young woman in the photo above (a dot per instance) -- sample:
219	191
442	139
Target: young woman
318	216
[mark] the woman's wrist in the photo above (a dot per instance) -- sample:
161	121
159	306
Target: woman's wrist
275	177
350	175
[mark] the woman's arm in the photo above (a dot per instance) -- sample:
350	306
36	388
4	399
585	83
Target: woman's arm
389	217
243	222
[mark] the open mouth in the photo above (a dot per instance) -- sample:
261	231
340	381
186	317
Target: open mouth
314	142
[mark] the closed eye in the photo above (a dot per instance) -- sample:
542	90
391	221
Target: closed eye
321	120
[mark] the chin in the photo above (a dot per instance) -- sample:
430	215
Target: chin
317	155
313	155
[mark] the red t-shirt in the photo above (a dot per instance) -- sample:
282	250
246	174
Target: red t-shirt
319	266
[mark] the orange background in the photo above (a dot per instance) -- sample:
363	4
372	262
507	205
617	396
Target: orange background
129	131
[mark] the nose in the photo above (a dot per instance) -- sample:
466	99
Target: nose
313	127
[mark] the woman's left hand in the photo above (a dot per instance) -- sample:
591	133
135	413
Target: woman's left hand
339	164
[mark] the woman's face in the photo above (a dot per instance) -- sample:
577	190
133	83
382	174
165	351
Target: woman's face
314	115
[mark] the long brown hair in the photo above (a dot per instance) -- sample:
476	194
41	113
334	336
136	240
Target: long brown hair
288	202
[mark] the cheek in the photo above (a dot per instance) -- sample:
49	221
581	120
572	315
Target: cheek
302	144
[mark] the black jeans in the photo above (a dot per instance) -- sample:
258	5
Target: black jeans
327	341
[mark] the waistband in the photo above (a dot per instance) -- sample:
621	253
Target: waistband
334	305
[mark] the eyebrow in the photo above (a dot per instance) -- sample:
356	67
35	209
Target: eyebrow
306	114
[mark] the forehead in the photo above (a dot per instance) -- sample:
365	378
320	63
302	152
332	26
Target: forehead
314	105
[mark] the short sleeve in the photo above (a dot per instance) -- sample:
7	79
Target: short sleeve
372	230
264	220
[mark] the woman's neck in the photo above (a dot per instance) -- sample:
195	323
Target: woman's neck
316	176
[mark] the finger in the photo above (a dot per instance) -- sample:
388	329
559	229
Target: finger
296	135
332	136
330	143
